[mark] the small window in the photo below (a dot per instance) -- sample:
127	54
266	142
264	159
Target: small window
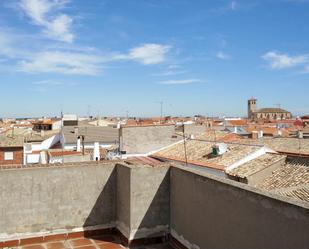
8	156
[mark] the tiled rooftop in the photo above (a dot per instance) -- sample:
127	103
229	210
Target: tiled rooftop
291	179
9	141
293	145
198	151
255	165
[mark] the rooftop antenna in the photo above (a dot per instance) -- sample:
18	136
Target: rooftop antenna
278	105
161	109
88	111
184	143
61	114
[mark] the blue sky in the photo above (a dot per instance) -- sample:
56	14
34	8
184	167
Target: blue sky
112	56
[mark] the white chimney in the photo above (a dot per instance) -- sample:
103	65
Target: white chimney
96	152
280	133
300	134
43	159
235	129
118	125
260	134
78	146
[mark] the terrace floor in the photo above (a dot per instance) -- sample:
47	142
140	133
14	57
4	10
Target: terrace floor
100	242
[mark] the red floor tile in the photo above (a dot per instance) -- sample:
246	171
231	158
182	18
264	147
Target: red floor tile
39	246
80	242
56	245
29	241
103	239
86	247
55	237
10	243
109	245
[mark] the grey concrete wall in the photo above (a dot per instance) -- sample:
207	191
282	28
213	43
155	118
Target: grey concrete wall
194	129
150	202
123	199
143	139
135	199
209	212
200	210
47	199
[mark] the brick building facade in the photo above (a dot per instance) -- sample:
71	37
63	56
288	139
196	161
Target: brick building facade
11	155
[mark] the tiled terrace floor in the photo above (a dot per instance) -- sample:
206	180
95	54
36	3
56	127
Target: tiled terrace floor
101	242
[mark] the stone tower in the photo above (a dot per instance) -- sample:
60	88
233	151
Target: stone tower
252	107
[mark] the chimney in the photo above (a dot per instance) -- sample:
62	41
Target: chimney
78	147
96	152
260	134
235	130
43	157
279	132
254	135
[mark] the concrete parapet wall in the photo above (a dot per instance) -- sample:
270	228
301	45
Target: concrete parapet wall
210	212
199	210
150	202
194	129
144	139
48	199
73	197
143	201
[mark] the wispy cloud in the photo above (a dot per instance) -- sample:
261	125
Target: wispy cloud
180	82
277	60
233	6
36	55
46	85
170	73
43	13
62	62
87	63
223	9
149	53
174	66
223	56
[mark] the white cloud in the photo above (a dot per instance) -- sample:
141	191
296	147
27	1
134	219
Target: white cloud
180	82
41	12
48	83
278	60
62	62
26	54
149	53
223	56
170	72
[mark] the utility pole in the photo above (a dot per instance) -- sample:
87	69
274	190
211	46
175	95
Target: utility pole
184	143
161	109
